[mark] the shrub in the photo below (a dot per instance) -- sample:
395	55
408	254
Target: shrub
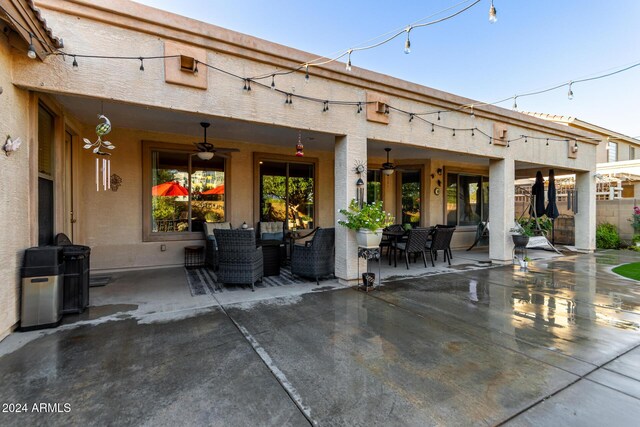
607	236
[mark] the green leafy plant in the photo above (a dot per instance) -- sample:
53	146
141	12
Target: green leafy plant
369	216
636	238
526	259
607	236
525	228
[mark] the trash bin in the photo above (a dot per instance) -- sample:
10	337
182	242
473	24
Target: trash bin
42	272
76	275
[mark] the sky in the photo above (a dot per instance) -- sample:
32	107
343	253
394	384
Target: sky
534	45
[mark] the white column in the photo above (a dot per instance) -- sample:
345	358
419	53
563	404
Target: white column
348	151
585	219
501	209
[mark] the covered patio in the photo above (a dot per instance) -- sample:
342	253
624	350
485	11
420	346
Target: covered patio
454	159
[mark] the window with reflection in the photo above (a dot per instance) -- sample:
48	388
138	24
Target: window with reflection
287	193
467	199
185	191
374	186
410	189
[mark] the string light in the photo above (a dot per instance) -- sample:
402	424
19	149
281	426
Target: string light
289	96
570	93
195	68
493	15
407	43
273	82
473	116
515	102
547	142
31	52
349	61
306	73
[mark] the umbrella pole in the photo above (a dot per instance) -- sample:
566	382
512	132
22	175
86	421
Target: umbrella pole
553	231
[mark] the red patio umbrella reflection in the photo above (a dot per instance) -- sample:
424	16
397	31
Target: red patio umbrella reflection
170	188
217	190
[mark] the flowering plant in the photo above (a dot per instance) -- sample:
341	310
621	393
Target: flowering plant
635	219
368	216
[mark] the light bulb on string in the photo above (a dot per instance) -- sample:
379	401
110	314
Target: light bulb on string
195	68
407	43
433	128
306	73
273	82
570	93
547	142
473	115
349	61
438	115
515	102
493	14
141	64
75	63
31	52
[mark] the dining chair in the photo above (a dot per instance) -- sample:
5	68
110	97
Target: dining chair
415	244
440	241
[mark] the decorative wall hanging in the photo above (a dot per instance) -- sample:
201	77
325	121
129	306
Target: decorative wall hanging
116	182
102	168
11	145
299	146
360	168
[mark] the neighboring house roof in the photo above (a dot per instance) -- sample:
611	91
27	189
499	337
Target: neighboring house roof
25	19
581	124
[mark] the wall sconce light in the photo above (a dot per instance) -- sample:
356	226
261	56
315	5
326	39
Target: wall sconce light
11	145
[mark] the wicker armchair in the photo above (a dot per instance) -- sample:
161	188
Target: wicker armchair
415	244
315	258
440	241
239	261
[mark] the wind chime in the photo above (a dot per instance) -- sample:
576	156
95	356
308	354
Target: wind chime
103	165
299	146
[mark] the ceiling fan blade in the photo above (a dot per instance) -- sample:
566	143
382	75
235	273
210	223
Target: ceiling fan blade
226	150
221	155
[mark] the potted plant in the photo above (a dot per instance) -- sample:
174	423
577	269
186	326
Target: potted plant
522	232
524	262
367	220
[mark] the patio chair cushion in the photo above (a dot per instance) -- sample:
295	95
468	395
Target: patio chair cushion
210	226
273	230
273	236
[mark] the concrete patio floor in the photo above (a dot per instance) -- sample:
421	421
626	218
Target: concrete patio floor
556	345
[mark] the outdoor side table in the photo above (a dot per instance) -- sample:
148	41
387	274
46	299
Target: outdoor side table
271	256
369	254
193	256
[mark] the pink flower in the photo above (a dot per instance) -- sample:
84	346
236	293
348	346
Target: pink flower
636	210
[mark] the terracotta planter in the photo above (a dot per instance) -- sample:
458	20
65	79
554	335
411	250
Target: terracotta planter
519	240
368	238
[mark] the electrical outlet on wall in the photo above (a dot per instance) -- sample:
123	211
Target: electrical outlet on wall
163	247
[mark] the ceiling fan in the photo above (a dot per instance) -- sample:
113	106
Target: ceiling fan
387	167
206	150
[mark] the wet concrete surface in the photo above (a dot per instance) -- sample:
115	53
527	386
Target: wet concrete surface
556	345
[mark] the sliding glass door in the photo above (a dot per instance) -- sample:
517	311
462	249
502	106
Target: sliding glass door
287	193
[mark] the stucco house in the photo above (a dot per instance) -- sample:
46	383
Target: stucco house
156	76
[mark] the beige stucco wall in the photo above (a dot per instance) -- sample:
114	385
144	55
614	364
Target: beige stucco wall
14	201
111	221
617	212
